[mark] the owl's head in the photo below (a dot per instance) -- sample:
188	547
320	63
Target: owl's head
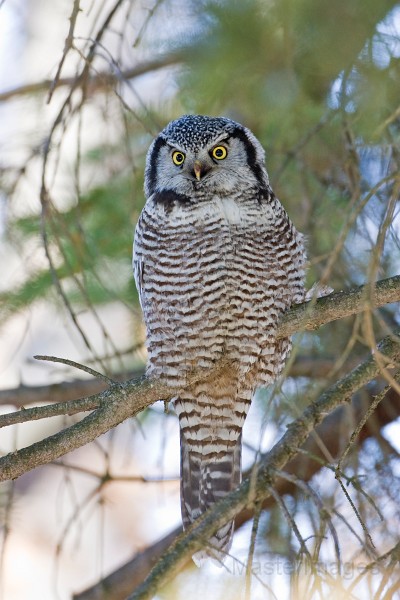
198	155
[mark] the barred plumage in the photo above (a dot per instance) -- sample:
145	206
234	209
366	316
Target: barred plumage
216	262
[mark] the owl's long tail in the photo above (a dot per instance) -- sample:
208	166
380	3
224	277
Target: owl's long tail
210	462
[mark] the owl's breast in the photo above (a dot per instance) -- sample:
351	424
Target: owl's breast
215	279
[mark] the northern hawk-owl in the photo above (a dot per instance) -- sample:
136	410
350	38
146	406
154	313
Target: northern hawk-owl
216	262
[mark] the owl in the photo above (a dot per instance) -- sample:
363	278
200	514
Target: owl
216	262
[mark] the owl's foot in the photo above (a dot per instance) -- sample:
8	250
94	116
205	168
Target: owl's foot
318	290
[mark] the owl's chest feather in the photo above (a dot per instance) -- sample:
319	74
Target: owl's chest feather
222	212
212	234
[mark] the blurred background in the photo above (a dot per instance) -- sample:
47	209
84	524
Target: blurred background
84	88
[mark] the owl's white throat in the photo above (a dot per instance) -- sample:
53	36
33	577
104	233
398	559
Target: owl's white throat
230	209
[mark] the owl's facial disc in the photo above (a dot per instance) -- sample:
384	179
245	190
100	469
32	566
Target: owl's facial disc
197	155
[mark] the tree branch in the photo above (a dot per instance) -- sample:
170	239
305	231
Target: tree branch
95	83
311	315
114	406
125	400
62	392
257	487
50	410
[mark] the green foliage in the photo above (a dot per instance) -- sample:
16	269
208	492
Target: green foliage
91	246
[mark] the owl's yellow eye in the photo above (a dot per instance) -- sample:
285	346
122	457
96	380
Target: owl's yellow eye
178	158
219	152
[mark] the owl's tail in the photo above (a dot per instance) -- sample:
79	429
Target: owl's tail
207	477
210	468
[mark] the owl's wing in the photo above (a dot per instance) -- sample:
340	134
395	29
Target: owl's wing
138	271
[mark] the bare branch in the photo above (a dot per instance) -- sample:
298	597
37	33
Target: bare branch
67	46
75	365
96	83
371	409
115	405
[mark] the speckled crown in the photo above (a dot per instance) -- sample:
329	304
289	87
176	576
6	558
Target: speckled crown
196	131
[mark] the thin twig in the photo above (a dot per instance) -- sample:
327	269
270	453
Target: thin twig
355	510
250	555
292	524
393	553
67	47
76	365
324	513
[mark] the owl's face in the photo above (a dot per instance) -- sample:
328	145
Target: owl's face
197	156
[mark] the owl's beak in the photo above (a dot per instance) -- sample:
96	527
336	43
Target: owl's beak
197	168
200	169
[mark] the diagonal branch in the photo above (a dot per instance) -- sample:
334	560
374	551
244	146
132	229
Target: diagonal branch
308	461
35	413
99	82
257	488
125	400
114	406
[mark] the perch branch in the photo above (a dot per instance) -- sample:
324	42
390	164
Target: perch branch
304	366
311	315
125	400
